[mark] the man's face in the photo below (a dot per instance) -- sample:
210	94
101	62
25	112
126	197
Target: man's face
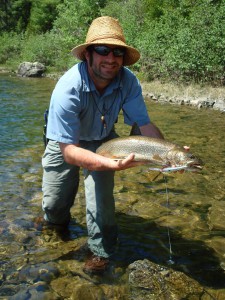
103	68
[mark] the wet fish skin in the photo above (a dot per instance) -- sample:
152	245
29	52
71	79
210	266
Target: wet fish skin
154	151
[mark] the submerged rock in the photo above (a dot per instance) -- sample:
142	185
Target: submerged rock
40	272
39	290
151	281
216	216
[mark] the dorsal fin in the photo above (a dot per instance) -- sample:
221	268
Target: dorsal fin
135	130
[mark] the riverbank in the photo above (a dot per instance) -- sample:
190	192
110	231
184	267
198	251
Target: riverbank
192	95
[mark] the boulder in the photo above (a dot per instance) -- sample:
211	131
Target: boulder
148	280
29	69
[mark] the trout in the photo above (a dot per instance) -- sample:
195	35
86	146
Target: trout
162	155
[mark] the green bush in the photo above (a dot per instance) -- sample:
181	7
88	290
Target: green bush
180	40
186	46
10	46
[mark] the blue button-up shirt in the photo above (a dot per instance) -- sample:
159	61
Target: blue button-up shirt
76	107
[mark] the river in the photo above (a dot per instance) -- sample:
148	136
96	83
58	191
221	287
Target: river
37	263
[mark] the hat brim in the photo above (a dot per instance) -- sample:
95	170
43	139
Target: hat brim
131	57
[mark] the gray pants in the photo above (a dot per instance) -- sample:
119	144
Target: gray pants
60	185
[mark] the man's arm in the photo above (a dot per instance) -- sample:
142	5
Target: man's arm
151	130
75	155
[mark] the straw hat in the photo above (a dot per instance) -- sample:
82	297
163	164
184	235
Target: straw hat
107	30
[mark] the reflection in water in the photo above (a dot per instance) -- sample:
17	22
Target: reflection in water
195	216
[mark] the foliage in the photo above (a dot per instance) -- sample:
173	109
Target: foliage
14	15
130	21
73	22
10	46
183	45
178	39
42	15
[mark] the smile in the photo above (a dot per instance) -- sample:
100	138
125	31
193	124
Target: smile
110	66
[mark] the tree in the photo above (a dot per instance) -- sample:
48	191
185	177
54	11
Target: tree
42	15
5	20
14	15
74	18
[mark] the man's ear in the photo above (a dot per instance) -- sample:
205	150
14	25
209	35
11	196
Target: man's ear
87	54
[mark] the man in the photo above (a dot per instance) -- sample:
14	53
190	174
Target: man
83	110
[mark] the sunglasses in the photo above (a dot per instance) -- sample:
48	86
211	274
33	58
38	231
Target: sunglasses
105	50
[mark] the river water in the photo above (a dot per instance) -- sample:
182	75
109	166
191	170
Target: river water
42	264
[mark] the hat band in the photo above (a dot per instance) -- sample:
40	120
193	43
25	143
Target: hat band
106	36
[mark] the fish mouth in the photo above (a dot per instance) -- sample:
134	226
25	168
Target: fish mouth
195	166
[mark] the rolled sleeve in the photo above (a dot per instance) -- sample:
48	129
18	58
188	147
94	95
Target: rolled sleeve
63	121
134	108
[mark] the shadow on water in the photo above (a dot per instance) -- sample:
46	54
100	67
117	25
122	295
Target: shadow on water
145	239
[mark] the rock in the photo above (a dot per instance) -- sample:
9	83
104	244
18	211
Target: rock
207	101
216	216
40	272
194	102
203	102
151	281
152	96
219	105
87	291
39	290
28	69
217	243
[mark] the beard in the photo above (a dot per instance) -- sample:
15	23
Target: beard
104	71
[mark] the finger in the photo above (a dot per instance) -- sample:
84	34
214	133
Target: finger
186	148
128	159
123	164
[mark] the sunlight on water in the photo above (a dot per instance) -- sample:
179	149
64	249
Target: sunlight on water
194	217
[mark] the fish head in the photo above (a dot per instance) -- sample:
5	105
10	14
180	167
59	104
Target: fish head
180	157
193	161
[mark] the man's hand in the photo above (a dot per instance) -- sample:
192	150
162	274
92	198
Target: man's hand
127	163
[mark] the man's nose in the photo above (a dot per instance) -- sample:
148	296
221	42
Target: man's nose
110	57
